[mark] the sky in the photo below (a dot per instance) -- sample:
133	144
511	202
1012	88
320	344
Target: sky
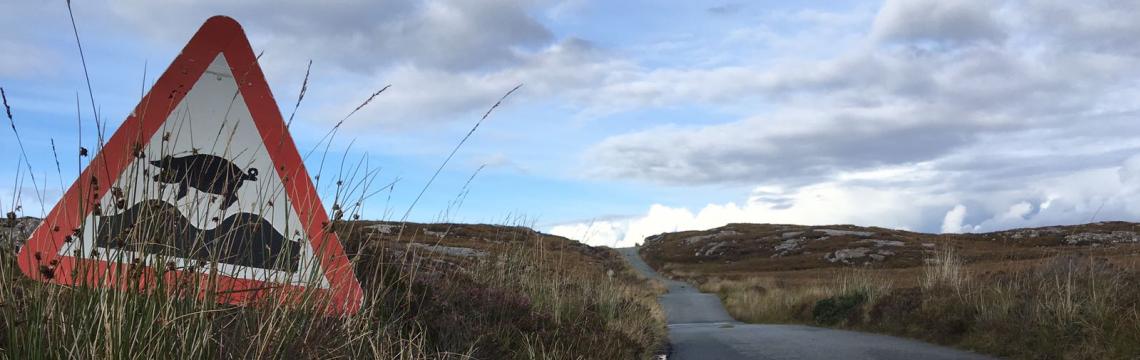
640	117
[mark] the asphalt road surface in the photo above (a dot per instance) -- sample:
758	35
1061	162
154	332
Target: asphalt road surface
700	328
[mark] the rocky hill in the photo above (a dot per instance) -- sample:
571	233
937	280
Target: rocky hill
442	248
769	247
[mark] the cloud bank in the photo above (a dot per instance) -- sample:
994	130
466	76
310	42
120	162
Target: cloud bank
947	116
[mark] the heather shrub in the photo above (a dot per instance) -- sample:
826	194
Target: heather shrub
837	309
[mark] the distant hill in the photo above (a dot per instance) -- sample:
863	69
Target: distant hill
451	245
771	247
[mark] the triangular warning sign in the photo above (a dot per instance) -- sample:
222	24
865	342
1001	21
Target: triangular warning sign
202	182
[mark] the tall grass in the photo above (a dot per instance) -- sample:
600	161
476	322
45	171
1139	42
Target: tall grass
767	299
1068	307
522	303
944	270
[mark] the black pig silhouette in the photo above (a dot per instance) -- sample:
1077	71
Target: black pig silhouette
157	227
207	173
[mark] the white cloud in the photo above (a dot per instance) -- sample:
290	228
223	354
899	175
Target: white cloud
597	233
952	223
918	201
836	202
1017	211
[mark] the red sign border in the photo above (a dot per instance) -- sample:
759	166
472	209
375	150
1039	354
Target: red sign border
40	258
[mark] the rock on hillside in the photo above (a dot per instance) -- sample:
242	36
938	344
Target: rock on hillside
14	231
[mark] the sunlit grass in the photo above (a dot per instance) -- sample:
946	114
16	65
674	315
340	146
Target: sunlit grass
1068	307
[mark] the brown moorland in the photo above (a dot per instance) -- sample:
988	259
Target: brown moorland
1064	292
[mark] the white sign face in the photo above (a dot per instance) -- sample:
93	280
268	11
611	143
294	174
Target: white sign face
203	190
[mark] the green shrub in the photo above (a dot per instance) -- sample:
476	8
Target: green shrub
833	310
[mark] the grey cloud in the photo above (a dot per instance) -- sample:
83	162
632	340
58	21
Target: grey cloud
365	35
445	59
984	176
748	151
725	9
938	21
425	96
773	199
1106	26
887	105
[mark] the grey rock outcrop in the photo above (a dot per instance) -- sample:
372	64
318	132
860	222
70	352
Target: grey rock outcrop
1114	237
13	232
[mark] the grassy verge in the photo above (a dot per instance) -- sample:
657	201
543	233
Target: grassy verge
1068	307
532	296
